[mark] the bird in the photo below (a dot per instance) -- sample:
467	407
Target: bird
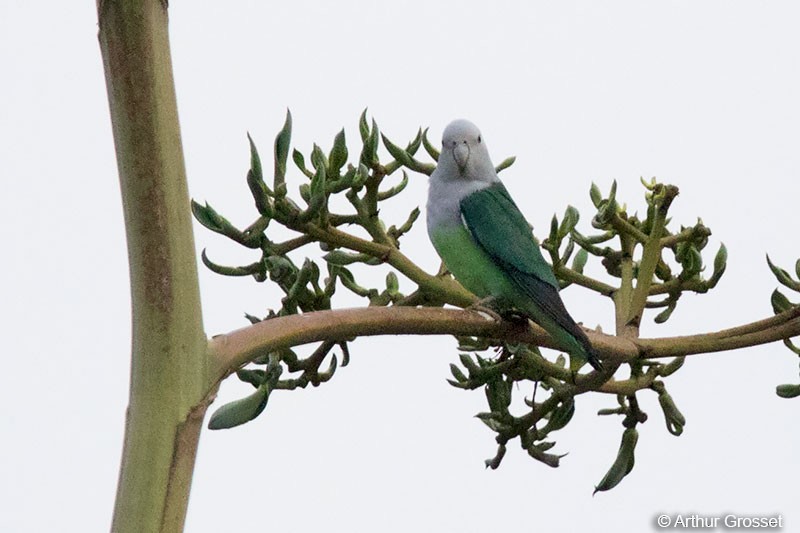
487	244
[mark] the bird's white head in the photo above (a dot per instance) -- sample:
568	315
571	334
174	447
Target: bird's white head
464	153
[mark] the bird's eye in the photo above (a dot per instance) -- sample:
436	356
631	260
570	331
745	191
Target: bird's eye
479	138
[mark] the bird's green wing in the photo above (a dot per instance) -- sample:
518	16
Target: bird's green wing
497	224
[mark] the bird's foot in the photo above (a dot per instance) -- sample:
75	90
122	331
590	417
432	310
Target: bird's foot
499	311
487	306
517	319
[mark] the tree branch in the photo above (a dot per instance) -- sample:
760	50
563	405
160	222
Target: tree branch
446	288
651	254
231	351
754	334
567	274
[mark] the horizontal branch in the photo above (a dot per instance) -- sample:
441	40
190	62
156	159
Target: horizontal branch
783	326
233	350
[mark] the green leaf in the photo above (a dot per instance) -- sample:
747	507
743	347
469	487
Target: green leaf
397	152
318	159
612	195
405	159
623	464
392	283
494	462
282	141
205	215
607	208
341	258
595	195
468	363
255	160
721	259
338	155
432	151
361	177
319	180
349	281
571	218
789	344
507	162
664	315
457	384
580	260
322	377
498	394
254	269
649	185
720	263
254	377
394	191
318	197
208	217
549	459
240	411
690	259
305	192
672	367
544	446
490	419
457	373
415	143
568	251
280	267
783	277
672	415
300	162
780	303
561	415
369	153
261	195
553	237
363	128
788	390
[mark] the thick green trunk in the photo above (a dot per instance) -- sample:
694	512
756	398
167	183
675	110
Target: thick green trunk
168	368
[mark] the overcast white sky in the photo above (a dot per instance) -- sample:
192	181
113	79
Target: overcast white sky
700	94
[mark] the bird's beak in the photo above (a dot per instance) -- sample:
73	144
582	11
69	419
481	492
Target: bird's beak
461	155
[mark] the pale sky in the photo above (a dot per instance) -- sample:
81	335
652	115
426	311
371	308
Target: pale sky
703	95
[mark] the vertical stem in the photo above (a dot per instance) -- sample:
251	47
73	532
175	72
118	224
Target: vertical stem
623	296
663	196
168	361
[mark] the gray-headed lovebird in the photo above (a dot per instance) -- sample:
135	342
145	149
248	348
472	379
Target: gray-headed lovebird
486	243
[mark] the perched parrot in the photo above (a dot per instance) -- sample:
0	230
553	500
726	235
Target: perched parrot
486	243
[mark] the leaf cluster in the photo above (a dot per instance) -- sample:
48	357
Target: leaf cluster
646	264
310	285
781	304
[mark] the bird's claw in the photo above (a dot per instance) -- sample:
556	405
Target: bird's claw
485	311
486	306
